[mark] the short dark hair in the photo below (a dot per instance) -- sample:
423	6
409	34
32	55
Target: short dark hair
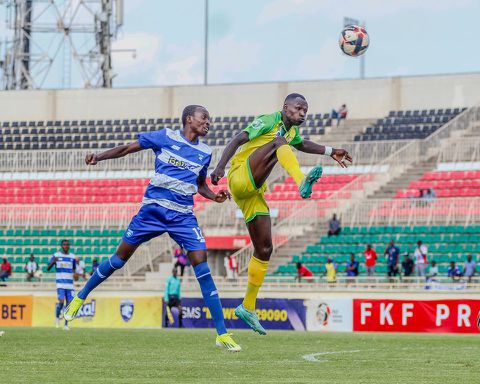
64	241
293	96
189	110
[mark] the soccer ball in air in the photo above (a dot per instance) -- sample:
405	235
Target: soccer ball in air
353	40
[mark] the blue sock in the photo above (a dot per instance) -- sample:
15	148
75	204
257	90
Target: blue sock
58	310
210	296
104	270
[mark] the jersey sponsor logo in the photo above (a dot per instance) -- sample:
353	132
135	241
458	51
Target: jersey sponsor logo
181	164
126	310
87	310
129	233
176	147
258	124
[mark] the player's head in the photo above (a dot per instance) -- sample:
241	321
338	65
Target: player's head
196	118
65	244
295	108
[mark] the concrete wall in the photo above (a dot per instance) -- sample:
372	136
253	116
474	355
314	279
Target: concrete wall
365	98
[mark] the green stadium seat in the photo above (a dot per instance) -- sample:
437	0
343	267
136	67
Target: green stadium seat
19	268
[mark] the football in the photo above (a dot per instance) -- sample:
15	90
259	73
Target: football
354	40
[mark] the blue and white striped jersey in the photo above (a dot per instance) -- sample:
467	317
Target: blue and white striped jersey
178	163
65	266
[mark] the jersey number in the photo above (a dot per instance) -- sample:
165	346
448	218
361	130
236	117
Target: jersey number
199	234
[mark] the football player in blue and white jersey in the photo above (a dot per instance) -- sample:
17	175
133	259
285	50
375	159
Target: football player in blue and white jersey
181	163
65	264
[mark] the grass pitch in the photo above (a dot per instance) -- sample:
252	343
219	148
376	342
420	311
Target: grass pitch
43	355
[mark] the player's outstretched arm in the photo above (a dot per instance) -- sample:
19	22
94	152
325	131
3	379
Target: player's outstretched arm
227	154
114	153
52	263
339	155
205	191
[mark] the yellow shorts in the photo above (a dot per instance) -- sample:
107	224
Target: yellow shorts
249	198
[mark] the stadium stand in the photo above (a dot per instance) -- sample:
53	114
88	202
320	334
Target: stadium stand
445	244
94	134
408	125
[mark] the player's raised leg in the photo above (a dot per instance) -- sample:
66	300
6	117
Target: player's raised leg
104	270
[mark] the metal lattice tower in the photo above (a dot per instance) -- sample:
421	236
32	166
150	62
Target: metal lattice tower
56	41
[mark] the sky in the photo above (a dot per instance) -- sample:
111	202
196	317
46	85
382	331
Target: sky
286	40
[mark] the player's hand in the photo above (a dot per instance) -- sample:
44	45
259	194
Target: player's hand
216	175
91	159
341	156
222	195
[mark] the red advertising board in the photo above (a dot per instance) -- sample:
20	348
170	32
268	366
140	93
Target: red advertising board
446	316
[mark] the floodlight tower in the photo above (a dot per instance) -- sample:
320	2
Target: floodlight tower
53	41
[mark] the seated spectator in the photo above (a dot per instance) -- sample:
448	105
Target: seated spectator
370	260
352	266
429	195
6	269
454	272
340	114
79	269
407	265
469	268
31	268
334	228
420	258
432	271
303	272
331	271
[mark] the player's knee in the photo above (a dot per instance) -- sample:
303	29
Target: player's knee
264	252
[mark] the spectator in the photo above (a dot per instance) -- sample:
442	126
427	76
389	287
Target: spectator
370	260
6	269
79	269
393	253
304	272
94	265
172	298
352	266
433	271
340	114
231	266
469	268
454	272
334	228
420	258
407	265
429	195
331	271
182	259
31	268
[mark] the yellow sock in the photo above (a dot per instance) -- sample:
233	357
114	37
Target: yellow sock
257	270
289	162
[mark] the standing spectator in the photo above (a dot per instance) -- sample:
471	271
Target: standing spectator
407	265
340	114
94	266
31	268
469	268
393	253
6	270
429	195
79	269
432	271
454	272
352	266
304	272
172	298
334	228
331	271
420	258
181	259
370	260
233	265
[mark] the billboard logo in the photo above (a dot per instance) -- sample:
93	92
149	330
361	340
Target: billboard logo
323	314
87	310
126	310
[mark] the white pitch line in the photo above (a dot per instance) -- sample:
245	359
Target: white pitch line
313	356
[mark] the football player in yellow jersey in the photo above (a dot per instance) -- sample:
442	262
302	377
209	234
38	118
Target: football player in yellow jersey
266	141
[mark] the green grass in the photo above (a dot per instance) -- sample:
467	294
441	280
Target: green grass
42	355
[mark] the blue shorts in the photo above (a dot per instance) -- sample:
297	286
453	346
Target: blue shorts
65	294
153	220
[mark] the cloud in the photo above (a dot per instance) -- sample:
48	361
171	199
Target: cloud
230	56
147	47
365	10
181	64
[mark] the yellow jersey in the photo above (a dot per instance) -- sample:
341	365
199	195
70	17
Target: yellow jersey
261	131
